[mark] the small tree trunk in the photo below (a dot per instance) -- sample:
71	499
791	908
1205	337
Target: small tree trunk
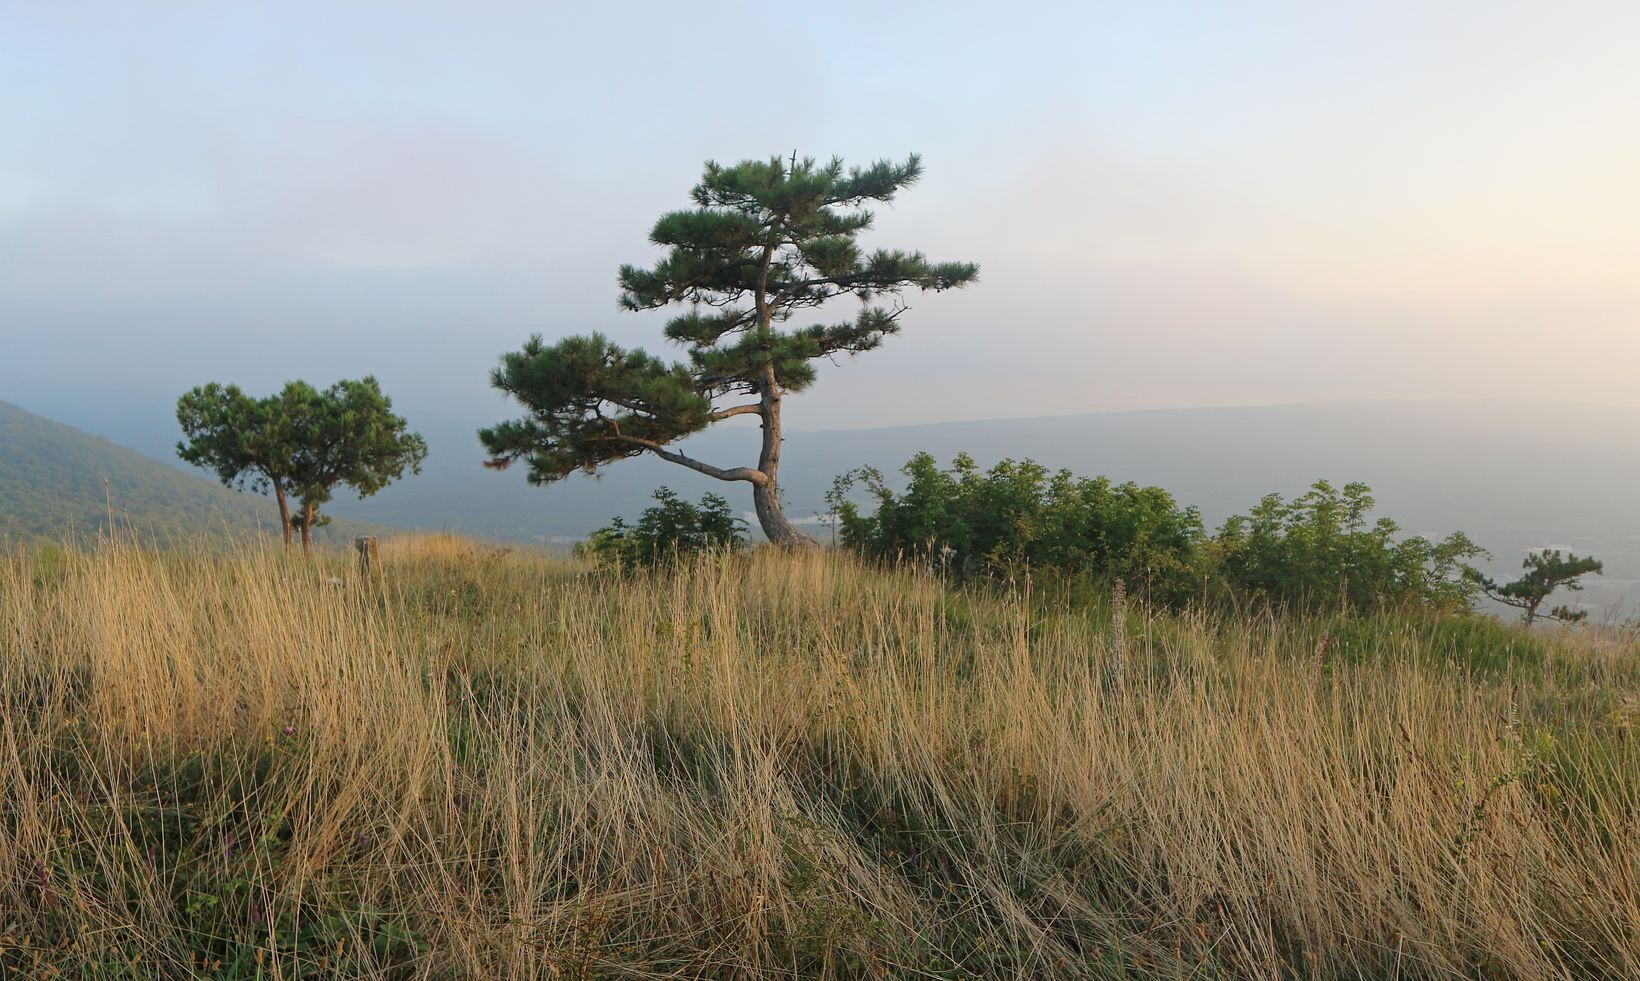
308	508
284	512
766	496
365	545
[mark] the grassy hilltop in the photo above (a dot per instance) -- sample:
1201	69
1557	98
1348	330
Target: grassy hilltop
499	765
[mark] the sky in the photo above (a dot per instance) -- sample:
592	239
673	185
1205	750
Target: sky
1171	204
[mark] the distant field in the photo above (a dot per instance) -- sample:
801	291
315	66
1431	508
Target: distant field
499	764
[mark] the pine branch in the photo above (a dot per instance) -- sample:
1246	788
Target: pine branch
739	410
748	474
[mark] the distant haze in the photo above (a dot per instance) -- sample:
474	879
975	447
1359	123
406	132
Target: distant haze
1172	204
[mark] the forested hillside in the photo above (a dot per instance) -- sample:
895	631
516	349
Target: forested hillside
56	482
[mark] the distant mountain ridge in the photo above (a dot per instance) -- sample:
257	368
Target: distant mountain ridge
57	482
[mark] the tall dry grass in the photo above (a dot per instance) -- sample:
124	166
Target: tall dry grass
494	764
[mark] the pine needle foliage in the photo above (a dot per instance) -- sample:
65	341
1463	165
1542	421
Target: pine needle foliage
766	245
666	532
1546	571
301	443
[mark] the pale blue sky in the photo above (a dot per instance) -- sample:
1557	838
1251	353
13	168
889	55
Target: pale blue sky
1173	204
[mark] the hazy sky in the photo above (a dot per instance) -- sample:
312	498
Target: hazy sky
1172	204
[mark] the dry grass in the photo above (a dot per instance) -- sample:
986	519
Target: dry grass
498	765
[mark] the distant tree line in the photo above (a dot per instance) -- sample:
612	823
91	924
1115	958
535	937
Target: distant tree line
58	483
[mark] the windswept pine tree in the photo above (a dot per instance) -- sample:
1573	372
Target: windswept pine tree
1546	571
349	436
249	443
767	242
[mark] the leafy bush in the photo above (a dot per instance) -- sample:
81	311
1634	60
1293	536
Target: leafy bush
1318	551
1019	513
671	528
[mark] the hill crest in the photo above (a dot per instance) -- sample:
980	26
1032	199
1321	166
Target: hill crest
59	482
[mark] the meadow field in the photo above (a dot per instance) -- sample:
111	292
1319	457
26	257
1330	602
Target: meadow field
493	763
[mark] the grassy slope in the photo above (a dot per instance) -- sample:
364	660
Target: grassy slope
52	487
503	767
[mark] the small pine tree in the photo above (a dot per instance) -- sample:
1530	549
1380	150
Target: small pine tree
349	436
249	443
1546	571
670	528
301	443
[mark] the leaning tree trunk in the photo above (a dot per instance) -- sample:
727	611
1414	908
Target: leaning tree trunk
780	531
766	494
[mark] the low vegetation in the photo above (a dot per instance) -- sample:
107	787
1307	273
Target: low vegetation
1320	552
493	763
1019	515
669	530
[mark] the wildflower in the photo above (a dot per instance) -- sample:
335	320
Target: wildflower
48	892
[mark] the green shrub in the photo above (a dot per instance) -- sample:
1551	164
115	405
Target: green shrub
1019	514
671	528
1319	552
